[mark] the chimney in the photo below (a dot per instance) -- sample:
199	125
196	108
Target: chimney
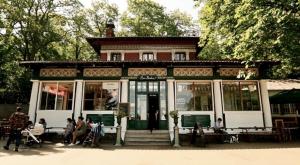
110	28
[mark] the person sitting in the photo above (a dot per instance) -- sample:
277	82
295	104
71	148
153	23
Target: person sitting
68	131
80	129
42	121
218	129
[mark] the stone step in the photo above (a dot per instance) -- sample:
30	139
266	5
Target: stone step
148	131
147	143
159	136
147	139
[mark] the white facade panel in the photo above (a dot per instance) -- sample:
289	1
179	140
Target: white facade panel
235	119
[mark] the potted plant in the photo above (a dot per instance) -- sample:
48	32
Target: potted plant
174	115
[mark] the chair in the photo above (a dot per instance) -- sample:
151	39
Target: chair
4	129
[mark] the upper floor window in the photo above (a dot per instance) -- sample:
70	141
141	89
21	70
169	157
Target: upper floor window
179	56
147	57
115	57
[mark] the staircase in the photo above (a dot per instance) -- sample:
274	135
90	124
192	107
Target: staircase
146	138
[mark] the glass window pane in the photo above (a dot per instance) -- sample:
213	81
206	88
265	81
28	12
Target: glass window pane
184	97
132	100
115	57
142	107
101	96
49	91
203	97
241	96
64	96
163	101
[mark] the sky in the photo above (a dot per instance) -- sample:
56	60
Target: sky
184	5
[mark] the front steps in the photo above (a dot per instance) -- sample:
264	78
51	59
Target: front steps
146	138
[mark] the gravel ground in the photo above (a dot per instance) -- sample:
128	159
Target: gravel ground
221	154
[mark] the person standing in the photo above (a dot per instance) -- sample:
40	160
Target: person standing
18	122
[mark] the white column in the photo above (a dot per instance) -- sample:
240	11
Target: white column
33	105
171	107
218	99
124	99
78	98
265	103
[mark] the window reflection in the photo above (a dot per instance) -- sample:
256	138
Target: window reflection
241	96
101	96
59	94
193	97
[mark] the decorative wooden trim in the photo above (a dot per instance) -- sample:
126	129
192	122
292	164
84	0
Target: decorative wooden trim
193	72
58	72
235	71
147	71
102	72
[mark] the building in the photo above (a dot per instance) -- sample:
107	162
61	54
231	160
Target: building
154	75
285	101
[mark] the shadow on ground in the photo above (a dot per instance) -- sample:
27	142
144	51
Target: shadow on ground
44	150
235	146
54	148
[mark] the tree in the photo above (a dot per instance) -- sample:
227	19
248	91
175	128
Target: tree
252	30
148	18
98	15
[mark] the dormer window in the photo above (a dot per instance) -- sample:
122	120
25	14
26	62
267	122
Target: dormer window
115	57
180	56
147	57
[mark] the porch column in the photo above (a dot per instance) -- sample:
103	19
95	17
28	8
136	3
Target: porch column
218	99
78	99
171	103
265	103
124	99
33	105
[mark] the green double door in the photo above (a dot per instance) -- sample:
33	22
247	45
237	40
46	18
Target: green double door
148	105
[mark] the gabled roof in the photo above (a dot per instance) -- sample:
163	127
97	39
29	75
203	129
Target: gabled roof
96	43
191	63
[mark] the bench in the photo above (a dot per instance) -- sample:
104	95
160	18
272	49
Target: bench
107	119
249	134
190	120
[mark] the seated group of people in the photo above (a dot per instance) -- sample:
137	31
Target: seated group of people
82	131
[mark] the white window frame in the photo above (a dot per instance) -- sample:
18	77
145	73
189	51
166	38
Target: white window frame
57	82
109	54
147	51
98	81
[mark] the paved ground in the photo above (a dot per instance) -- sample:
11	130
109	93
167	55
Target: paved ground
221	154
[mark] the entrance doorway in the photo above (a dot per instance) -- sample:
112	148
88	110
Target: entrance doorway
148	105
153	111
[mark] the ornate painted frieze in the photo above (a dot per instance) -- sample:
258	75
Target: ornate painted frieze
237	71
147	71
102	72
193	72
58	72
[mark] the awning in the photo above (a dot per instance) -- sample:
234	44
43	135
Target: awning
286	97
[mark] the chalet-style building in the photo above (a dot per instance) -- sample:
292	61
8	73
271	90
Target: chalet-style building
152	74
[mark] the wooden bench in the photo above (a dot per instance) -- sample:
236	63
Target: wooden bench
107	119
190	120
249	134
